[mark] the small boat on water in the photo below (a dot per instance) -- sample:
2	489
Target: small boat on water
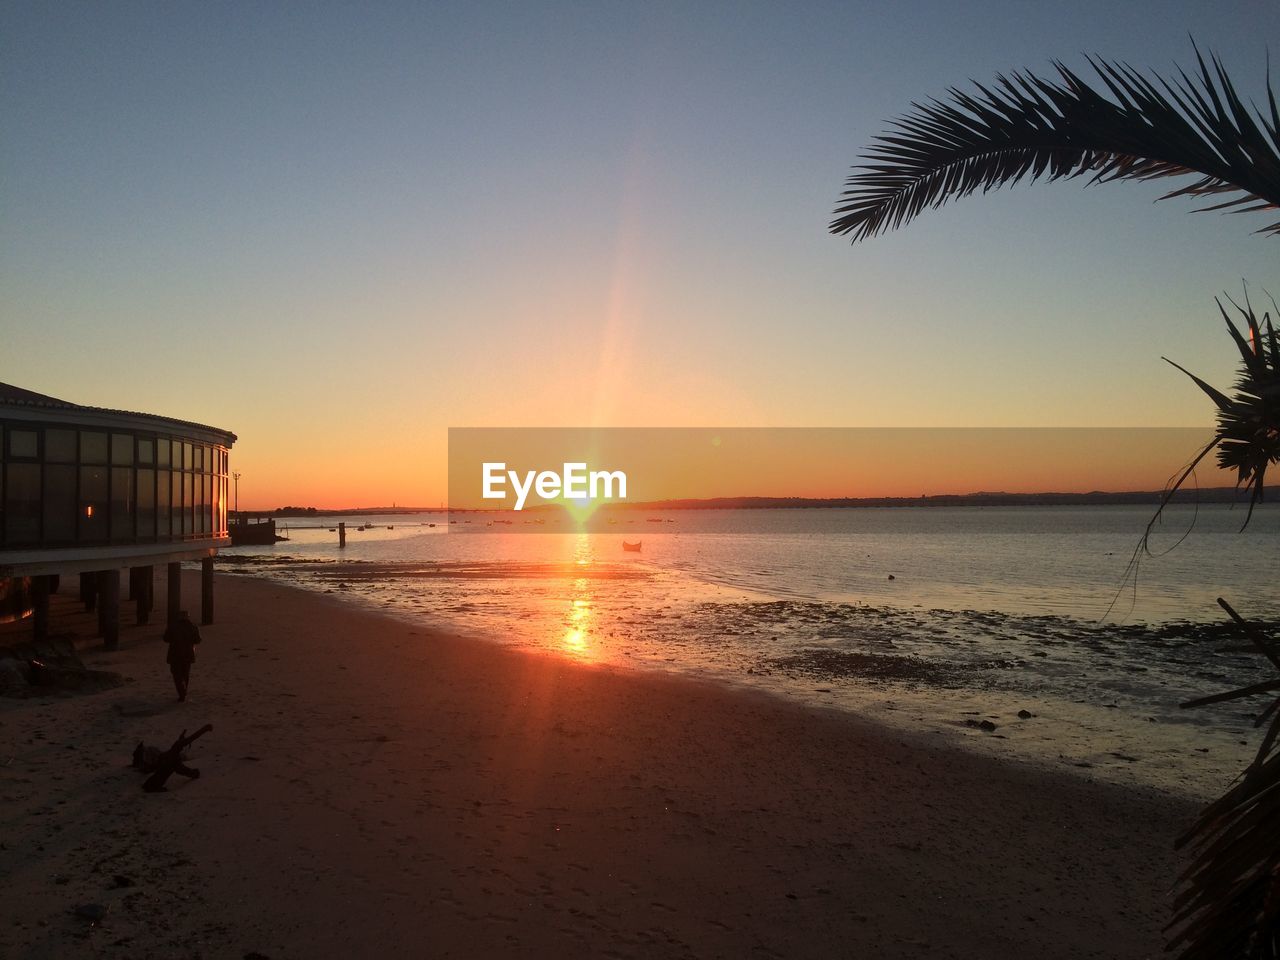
633	547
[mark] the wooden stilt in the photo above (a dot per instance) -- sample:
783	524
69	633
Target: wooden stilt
109	607
40	621
174	600
142	580
206	590
100	600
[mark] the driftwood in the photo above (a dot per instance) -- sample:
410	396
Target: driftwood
162	764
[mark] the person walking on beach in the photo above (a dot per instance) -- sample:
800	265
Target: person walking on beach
182	637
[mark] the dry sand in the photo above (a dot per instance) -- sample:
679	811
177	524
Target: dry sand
372	789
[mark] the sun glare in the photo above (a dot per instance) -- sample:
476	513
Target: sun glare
577	640
579	509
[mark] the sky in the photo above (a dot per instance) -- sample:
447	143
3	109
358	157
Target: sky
340	229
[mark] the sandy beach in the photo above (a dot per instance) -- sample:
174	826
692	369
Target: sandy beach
371	788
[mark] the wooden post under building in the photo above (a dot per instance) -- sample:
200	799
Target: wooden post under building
206	591
40	620
142	590
174	597
100	601
109	607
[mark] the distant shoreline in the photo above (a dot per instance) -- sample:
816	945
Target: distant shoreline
981	499
1206	495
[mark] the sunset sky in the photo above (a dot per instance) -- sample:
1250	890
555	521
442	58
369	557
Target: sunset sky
709	462
339	230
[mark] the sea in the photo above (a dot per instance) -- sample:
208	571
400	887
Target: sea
1055	634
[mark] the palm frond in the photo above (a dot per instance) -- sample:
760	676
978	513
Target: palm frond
1029	128
1229	905
1248	434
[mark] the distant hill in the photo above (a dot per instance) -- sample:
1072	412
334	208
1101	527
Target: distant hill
980	499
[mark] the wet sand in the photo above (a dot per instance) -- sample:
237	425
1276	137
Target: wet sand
371	788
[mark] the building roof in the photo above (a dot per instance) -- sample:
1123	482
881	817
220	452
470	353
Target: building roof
12	396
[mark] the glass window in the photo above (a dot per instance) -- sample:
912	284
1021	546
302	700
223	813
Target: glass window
93	447
202	503
60	447
162	502
23	443
60	501
188	504
162	452
146	450
199	454
22	503
188	456
121	448
122	503
207	511
91	513
146	501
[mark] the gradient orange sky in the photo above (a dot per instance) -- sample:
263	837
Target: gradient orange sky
340	231
704	463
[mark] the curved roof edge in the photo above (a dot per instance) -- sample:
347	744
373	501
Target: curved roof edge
29	402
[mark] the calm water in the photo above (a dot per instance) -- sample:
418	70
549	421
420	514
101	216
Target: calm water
948	615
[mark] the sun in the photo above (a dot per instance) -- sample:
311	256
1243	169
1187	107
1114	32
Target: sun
579	509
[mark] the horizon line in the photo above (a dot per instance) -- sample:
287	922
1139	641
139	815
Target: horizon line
760	501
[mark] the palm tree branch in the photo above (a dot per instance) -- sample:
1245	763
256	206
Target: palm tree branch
1026	127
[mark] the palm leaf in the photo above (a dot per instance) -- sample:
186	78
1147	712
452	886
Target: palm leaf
1030	128
1248	434
1228	904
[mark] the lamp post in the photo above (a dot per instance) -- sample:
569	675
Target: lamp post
236	478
